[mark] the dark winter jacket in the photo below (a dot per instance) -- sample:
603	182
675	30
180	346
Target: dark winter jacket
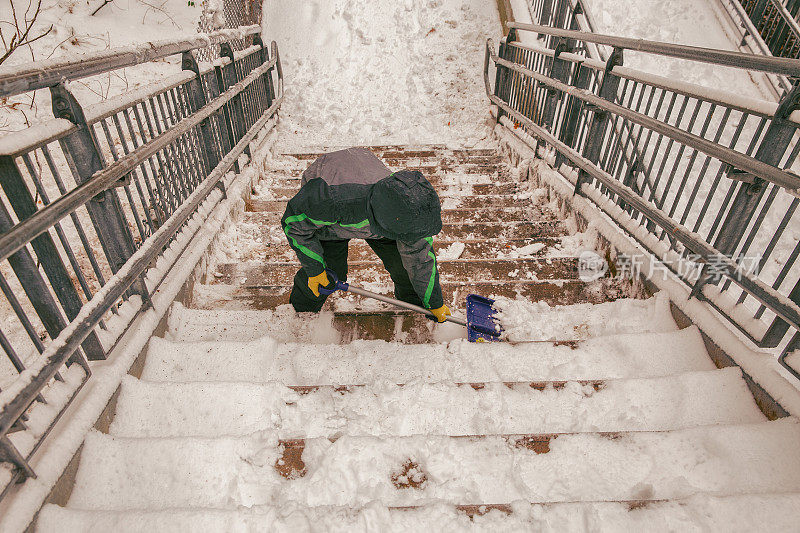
351	194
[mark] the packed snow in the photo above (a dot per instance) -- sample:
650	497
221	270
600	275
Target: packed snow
362	72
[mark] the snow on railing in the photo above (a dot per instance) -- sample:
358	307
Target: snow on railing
97	195
707	174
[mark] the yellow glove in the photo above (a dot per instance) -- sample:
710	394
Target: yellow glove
316	281
441	313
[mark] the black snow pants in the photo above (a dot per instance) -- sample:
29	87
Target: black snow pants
335	255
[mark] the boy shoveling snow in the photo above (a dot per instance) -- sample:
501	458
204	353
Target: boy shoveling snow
351	194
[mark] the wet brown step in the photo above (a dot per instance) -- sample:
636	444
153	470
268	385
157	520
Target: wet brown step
433	171
360	251
473	231
254	274
233	297
449	216
455	202
483	189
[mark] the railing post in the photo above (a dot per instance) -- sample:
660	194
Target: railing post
197	99
268	74
608	91
24	266
501	75
222	86
84	157
779	326
749	193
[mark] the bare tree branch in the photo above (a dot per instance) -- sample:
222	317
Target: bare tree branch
22	31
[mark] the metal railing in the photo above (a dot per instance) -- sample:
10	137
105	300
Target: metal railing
701	178
92	202
776	22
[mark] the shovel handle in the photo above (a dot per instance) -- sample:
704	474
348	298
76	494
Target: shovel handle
404	305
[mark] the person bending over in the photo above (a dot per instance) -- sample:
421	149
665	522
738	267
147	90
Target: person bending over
351	194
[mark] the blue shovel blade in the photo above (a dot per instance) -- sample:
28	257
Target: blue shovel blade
482	325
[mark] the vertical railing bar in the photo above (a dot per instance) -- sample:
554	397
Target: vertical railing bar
17	362
164	168
718	178
128	195
146	205
771	246
667	151
754	230
175	159
732	189
74	216
177	154
699	181
678	157
57	227
27	325
179	113
651	182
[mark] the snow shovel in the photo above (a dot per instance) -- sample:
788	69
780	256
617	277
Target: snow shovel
481	324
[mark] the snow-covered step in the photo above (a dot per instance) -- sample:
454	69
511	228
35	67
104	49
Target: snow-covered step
230	297
545	268
524	320
141	473
264	360
149	409
745	512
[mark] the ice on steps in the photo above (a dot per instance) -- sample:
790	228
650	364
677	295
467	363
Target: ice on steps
538	320
745	513
122	473
265	360
147	409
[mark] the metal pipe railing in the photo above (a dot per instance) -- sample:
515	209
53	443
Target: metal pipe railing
600	113
27	230
732	157
776	65
42	74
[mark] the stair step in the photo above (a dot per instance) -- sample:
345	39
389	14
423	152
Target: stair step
743	512
488	189
256	275
141	473
456	173
369	361
495	201
537	321
217	409
358	250
449	216
560	292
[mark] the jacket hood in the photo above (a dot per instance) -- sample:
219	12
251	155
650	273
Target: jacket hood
404	207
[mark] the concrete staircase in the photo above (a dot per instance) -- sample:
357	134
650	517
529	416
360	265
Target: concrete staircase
247	416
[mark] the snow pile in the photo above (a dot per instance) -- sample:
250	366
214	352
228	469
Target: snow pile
452	252
387	72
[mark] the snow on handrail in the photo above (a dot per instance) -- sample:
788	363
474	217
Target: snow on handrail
27	230
777	65
754	106
732	157
40	74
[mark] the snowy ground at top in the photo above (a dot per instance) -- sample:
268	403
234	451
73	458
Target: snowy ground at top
689	22
382	72
76	31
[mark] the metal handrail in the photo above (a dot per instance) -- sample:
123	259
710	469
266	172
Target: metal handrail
776	65
766	295
16	398
207	117
732	157
30	228
41	74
